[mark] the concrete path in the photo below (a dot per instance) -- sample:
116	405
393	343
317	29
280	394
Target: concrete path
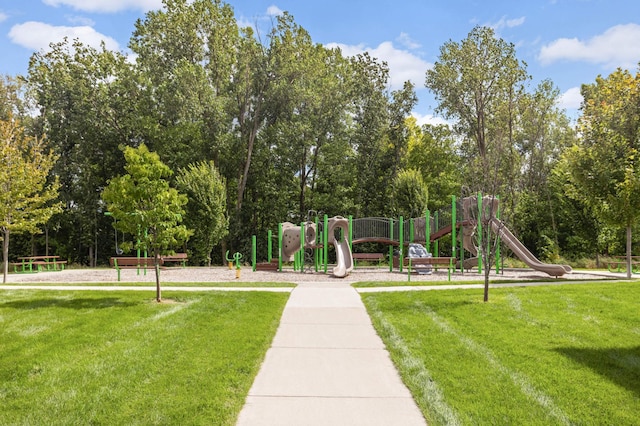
327	366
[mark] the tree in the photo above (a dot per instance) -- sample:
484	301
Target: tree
26	194
207	206
410	194
477	83
604	166
88	100
143	204
432	151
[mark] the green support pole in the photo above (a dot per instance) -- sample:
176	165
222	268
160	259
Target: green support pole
427	230
138	251
436	243
498	255
280	247
391	246
253	252
325	231
411	231
479	224
401	241
316	250
269	248
145	251
351	232
454	225
302	241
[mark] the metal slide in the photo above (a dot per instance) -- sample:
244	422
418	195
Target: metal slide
524	254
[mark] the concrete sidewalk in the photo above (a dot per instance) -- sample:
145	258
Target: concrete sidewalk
327	366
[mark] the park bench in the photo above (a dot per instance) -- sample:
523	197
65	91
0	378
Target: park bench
175	258
130	262
268	266
418	263
369	257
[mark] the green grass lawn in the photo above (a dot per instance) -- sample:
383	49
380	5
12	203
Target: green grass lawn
163	284
531	356
120	358
364	284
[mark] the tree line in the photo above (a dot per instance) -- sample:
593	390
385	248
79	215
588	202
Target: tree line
259	129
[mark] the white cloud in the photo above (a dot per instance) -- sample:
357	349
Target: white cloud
429	119
507	23
405	40
571	99
616	47
274	11
107	6
38	35
403	65
3	17
80	20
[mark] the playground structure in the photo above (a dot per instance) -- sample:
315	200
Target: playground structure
307	244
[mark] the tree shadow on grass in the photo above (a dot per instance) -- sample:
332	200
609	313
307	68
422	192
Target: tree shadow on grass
73	303
619	365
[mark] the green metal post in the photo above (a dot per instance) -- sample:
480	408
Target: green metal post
401	241
427	230
302	241
325	231
498	255
479	225
280	247
253	252
351	232
411	230
436	243
454	224
316	250
269	248
391	246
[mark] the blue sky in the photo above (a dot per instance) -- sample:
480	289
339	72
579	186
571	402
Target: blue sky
567	41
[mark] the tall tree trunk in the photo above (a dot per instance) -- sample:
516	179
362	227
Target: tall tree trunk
245	172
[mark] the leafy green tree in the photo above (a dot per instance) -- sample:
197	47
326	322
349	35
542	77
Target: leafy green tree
207	206
88	102
410	194
143	204
604	167
26	195
542	134
307	101
13	102
477	84
432	151
187	52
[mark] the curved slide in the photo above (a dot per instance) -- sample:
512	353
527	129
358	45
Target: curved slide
344	258
524	254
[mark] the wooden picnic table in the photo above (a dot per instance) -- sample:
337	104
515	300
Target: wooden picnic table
41	263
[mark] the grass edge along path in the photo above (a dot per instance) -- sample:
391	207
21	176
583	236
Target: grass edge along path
427	394
119	358
540	355
204	284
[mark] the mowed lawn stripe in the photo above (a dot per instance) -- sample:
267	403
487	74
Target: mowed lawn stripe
545	355
123	359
